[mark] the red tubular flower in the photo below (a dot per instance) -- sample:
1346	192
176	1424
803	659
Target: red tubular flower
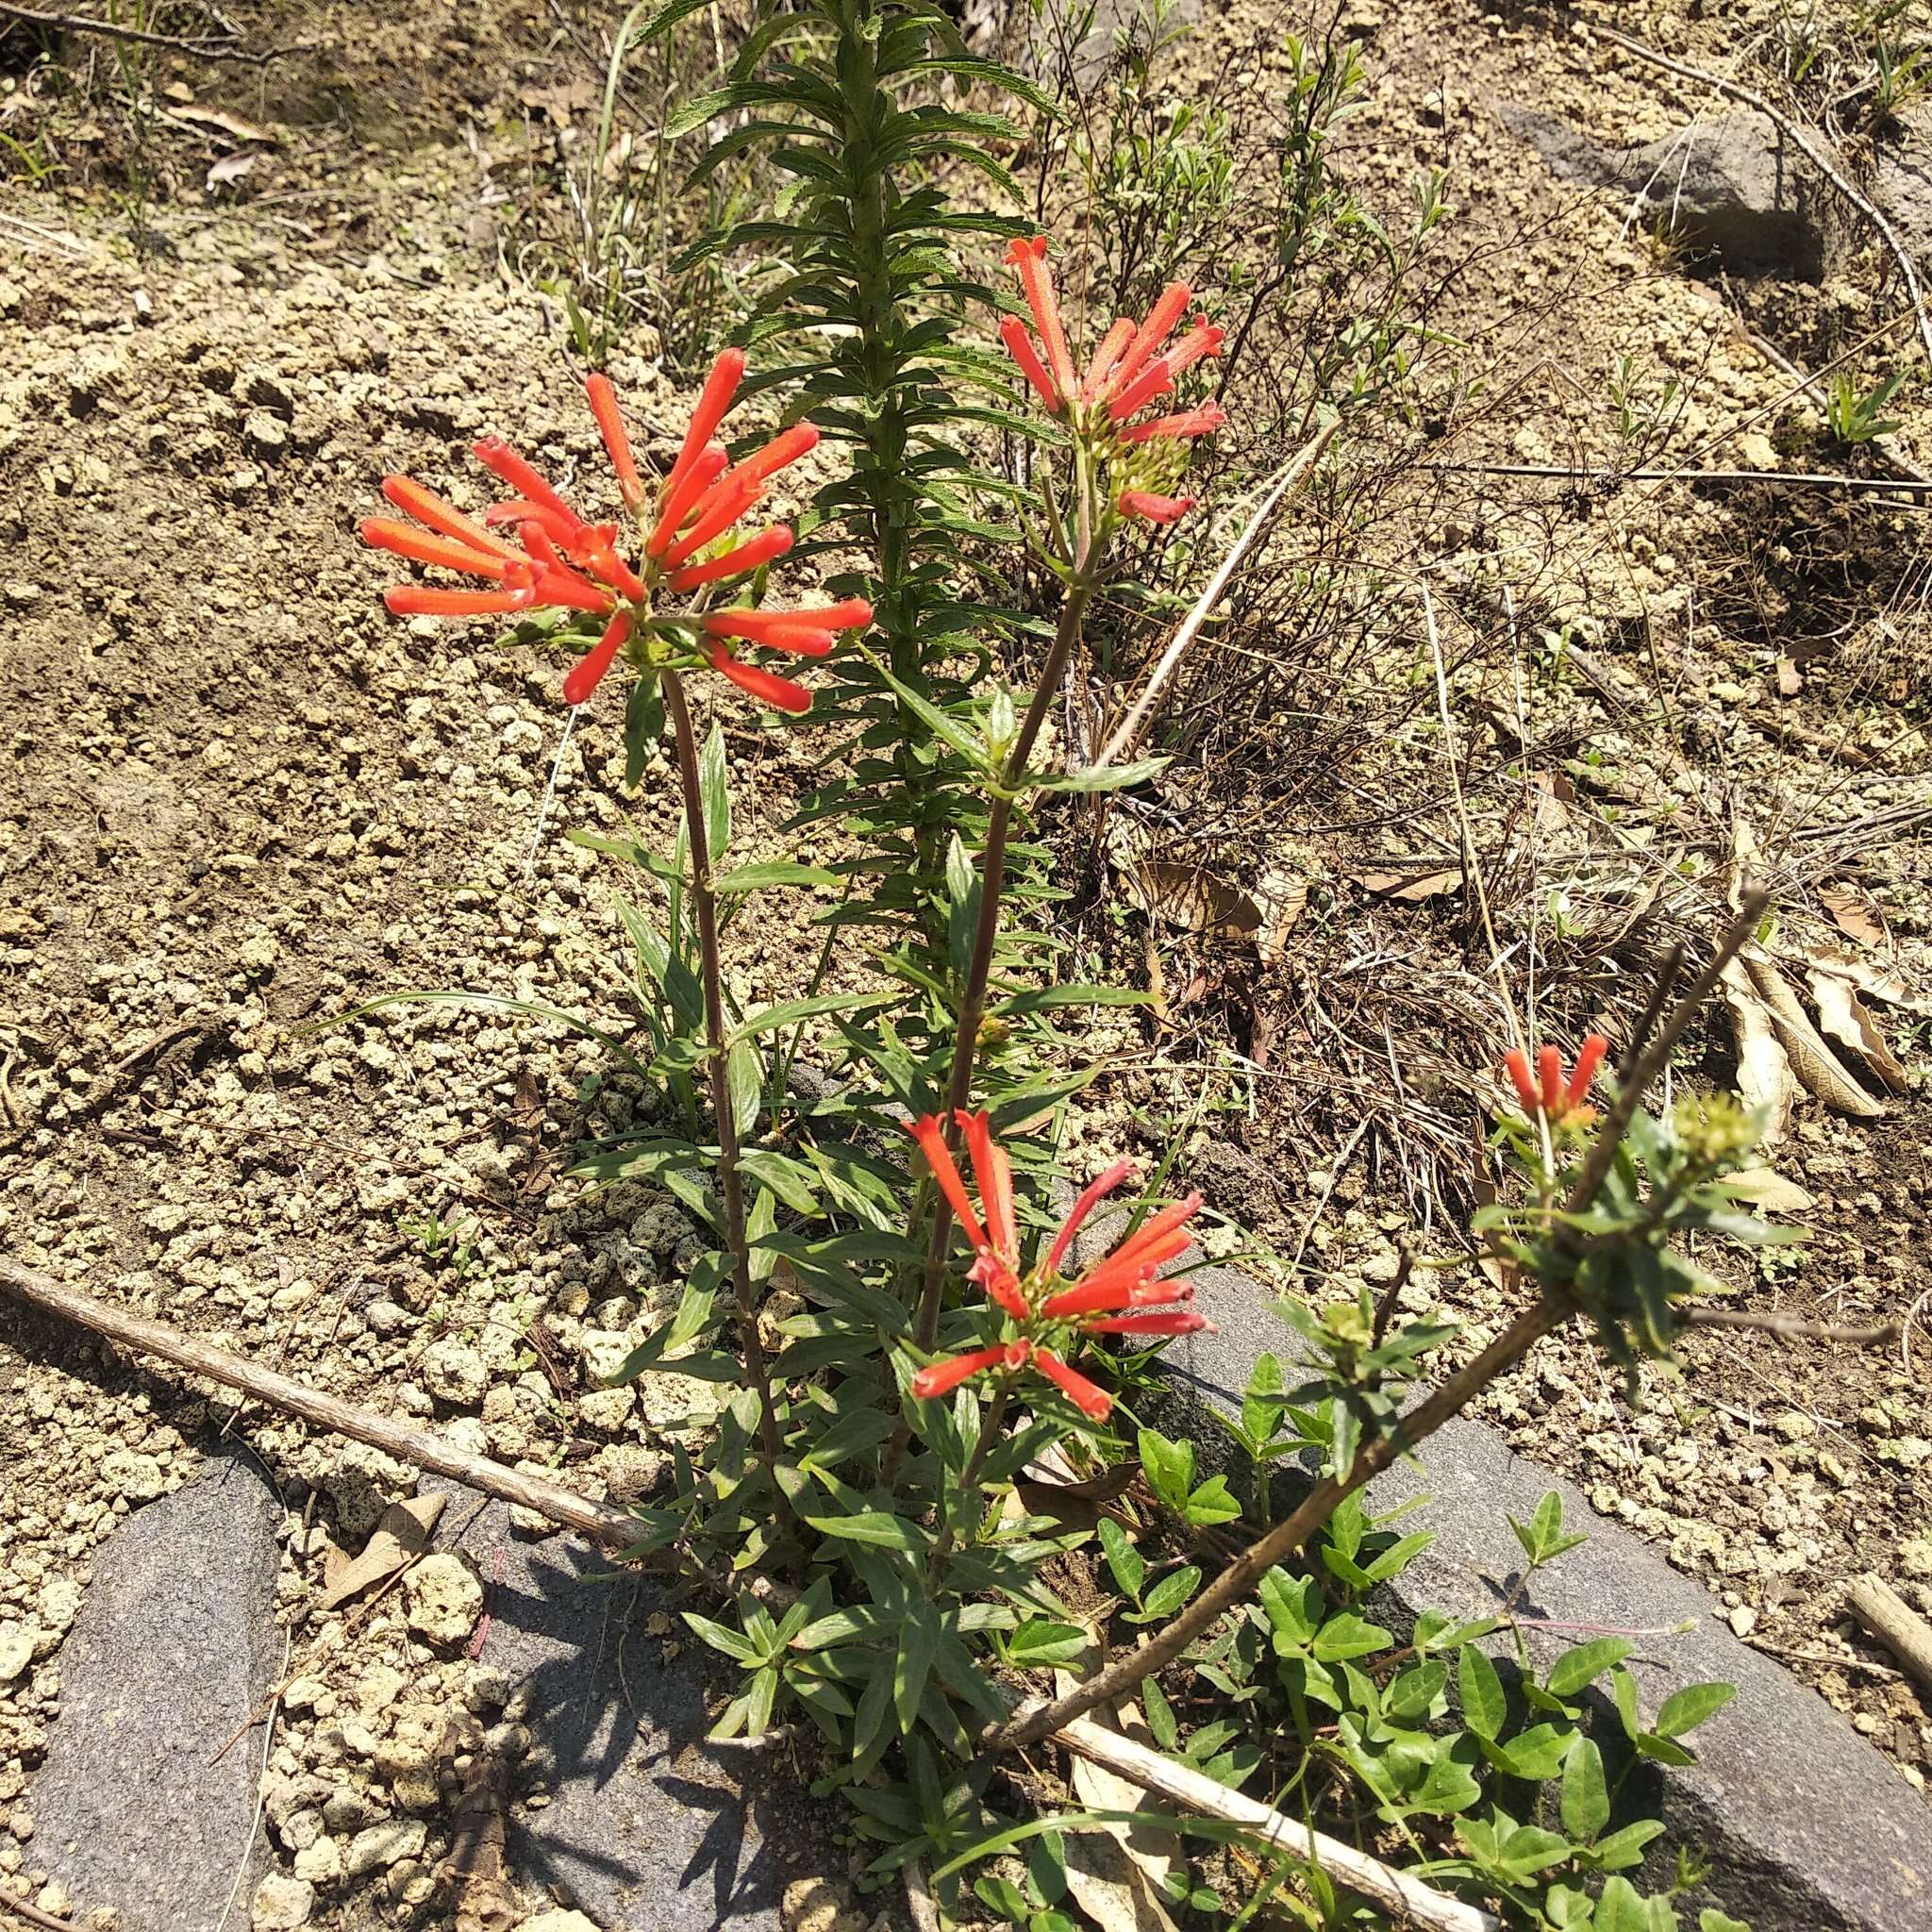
587	674
420	600
1202	421
1030	257
616	439
706	468
1088	1397
1162	318
764	548
1106	359
942	1378
519	510
495	454
1549	1067
1516	1064
994	1174
1020	346
779	693
1170	1321
714	399
405	540
1204	339
759	625
414	499
1090	1197
932	1137
1157	509
1545	1090
1589	1058
565	561
715	512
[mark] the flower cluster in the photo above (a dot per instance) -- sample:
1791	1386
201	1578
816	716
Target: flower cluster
1122	1293
1127	370
1546	1092
687	524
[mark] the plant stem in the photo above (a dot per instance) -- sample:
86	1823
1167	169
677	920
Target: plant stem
988	1434
992	877
730	1181
1288	1536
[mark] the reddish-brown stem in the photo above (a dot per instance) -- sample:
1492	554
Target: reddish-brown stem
731	1180
985	933
1286	1538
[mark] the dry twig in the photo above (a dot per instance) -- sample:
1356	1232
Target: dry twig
1409	1900
113	30
1895	1625
1301	467
1793	1326
403	1440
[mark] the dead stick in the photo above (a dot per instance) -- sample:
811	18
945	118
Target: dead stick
1794	1326
1406	1898
113	30
1297	473
1895	1625
403	1440
32	1915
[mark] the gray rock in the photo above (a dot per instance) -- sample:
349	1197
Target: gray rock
174	1650
1729	187
1902	182
645	1829
1806	1829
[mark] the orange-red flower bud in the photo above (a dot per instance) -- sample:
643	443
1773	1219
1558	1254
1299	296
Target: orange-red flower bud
779	693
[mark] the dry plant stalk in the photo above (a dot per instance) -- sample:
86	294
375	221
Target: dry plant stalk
1406	1899
403	1440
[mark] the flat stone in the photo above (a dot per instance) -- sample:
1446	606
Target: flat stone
174	1650
1804	1826
1730	187
646	1830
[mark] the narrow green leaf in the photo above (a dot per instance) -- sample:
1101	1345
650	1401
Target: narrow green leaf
872	1526
919	1638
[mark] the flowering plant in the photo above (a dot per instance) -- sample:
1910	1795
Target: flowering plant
1122	1293
687	524
1134	467
1546	1093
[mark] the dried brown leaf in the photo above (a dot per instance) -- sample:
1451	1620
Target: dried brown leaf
1117	1875
1765	1188
1765	1082
402	1535
1816	1067
1845	1018
1410	887
1855	915
219	121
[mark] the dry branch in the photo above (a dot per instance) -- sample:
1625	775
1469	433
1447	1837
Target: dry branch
1793	1326
403	1440
113	30
1408	1899
1895	1625
1301	467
